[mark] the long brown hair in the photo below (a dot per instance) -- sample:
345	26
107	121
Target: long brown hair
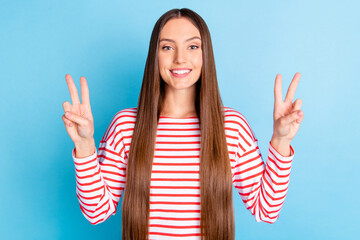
217	216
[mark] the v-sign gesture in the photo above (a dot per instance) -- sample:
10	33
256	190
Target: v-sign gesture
78	119
287	115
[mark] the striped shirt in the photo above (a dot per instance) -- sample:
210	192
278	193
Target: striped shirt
175	185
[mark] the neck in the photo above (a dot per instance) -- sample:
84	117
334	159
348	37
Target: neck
179	103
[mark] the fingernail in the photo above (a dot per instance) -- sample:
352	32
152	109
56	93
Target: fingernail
299	113
67	114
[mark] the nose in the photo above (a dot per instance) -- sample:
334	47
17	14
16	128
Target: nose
180	56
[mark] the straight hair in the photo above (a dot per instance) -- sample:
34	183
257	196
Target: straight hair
217	215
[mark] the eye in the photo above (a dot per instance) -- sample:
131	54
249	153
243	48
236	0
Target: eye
194	47
166	47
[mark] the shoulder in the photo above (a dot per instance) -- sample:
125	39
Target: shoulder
122	120
233	116
126	114
237	120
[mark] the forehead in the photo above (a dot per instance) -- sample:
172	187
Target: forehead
178	29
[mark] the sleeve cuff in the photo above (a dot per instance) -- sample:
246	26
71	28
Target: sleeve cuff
281	157
84	160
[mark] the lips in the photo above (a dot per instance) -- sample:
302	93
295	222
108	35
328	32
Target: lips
180	72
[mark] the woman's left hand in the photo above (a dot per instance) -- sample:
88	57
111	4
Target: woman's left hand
287	114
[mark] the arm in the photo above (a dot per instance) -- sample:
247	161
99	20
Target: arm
101	177
262	188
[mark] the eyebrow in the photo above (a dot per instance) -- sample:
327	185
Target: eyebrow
170	40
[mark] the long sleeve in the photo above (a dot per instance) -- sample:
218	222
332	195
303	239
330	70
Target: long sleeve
101	177
262	187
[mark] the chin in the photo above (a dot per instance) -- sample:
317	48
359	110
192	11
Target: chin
181	86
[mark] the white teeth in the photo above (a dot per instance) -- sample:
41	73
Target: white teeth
180	71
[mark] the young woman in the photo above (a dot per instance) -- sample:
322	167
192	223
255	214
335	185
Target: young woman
180	151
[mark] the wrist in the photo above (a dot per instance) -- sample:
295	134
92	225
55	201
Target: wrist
279	140
85	148
85	142
281	145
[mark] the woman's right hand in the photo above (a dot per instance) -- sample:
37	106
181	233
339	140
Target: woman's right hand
78	119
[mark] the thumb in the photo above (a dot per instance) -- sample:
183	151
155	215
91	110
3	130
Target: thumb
288	119
70	128
76	118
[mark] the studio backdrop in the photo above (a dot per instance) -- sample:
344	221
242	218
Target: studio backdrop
107	42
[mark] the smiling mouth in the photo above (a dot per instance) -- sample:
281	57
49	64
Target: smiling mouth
180	73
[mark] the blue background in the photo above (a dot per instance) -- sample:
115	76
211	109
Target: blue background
107	42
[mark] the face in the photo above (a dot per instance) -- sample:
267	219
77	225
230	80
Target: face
180	54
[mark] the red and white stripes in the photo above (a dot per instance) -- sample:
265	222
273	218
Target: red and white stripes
175	185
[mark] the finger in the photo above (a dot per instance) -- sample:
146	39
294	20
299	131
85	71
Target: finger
297	105
76	118
84	91
67	106
72	89
288	119
278	89
67	122
292	88
70	127
300	119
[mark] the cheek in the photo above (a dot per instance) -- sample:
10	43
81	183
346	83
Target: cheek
162	65
198	61
160	60
163	61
